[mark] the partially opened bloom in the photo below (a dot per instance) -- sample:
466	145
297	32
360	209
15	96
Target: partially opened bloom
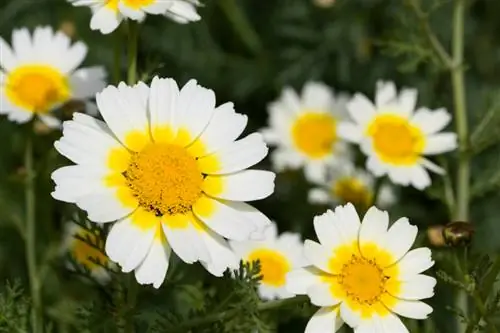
395	137
108	14
278	255
304	130
364	273
168	166
86	248
345	183
40	73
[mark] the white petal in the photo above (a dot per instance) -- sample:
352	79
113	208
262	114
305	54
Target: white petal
420	178
318	196
432	166
320	294
361	109
105	20
392	323
22	45
412	309
374	227
299	280
317	96
240	155
153	269
348	222
400	175
318	255
431	122
325	320
183	12
73	57
408	100
417	287
376	167
128	244
415	262
315	172
132	13
283	158
326	230
195	108
8	60
229	219
221	255
123	110
225	126
247	185
157	7
103	206
186	241
163	102
86	82
385	94
50	121
351	317
350	132
400	238
440	143
290	100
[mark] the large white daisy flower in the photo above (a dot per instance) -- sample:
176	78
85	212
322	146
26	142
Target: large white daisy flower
395	137
108	14
304	130
168	166
86	248
39	73
278	255
345	183
364	273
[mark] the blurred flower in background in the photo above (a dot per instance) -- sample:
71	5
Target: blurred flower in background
39	74
278	255
345	183
364	273
304	130
395	137
108	14
85	247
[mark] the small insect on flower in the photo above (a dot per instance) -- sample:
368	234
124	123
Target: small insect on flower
304	130
39	74
108	14
363	273
277	254
345	183
168	166
395	137
85	246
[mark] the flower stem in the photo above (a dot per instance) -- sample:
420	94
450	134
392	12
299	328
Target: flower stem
117	55
30	241
133	39
263	306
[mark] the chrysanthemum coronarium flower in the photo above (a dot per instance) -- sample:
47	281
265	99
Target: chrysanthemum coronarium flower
304	130
345	183
395	137
278	255
108	14
364	273
85	246
40	73
168	165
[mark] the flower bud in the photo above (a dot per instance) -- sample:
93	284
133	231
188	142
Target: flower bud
435	235
458	233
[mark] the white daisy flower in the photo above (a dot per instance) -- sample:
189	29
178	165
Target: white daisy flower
278	255
395	137
39	73
89	255
345	183
364	273
108	14
304	130
166	164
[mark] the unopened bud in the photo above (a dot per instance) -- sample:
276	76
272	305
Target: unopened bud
435	235
458	233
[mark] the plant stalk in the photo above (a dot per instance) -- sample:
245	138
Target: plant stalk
30	237
133	40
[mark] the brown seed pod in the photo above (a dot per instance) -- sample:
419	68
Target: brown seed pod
458	233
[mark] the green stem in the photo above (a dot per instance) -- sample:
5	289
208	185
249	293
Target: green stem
30	241
117	56
131	301
133	39
220	316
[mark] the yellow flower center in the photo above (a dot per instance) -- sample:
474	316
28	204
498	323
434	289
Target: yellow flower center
86	254
111	4
363	280
164	178
395	140
350	189
314	134
136	4
37	88
273	266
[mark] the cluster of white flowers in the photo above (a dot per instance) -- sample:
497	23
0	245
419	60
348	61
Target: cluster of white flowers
168	169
